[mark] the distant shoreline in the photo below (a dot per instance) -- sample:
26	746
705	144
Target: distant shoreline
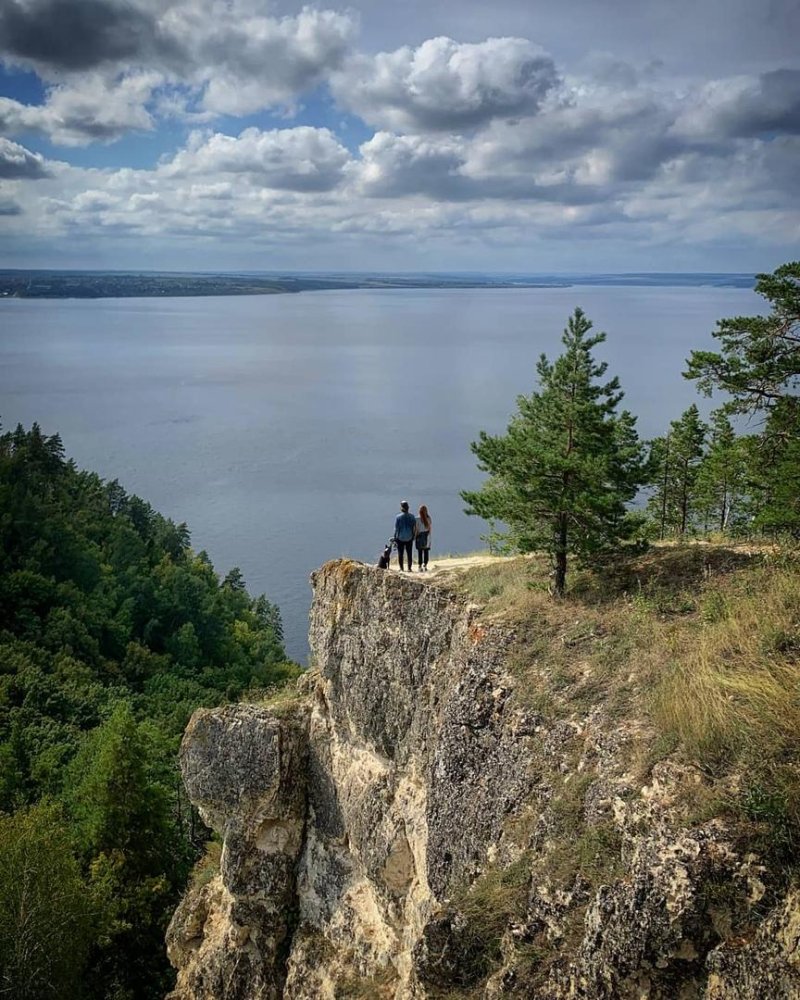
46	284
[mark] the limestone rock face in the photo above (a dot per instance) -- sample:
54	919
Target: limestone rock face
411	828
246	771
767	965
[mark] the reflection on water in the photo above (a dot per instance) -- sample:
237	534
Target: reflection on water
285	429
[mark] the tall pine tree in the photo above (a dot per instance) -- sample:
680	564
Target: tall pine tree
688	441
721	486
675	462
562	474
758	366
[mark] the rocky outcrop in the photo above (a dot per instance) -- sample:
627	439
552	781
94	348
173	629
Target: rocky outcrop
245	770
765	965
410	827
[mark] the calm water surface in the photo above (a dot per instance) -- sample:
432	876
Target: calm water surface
285	429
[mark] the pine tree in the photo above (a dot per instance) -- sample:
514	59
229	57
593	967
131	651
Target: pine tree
675	460
561	476
123	829
722	476
774	472
759	367
688	438
658	504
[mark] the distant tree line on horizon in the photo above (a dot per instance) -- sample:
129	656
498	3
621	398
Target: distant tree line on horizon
563	477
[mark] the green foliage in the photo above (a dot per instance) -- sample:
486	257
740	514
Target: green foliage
721	487
46	913
758	365
559	479
675	462
112	631
116	799
775	472
759	361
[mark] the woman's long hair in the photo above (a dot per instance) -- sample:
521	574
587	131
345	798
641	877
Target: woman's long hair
425	517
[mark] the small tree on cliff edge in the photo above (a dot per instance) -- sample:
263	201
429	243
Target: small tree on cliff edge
561	475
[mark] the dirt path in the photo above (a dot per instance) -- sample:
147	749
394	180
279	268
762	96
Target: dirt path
450	563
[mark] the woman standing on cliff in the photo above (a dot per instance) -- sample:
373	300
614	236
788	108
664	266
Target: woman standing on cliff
422	535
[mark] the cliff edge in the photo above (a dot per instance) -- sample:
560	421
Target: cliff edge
414	825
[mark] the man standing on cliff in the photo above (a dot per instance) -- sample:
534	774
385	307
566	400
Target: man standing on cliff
404	534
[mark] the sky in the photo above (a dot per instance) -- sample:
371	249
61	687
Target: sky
402	135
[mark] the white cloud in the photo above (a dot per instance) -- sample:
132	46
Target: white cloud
297	159
257	61
394	165
89	109
17	162
107	61
444	85
480	142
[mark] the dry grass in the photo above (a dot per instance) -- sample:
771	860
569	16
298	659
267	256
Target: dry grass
729	689
207	866
496	899
282	699
506	586
702	640
700	644
380	986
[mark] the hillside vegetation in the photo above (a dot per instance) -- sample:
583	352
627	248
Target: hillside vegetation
700	640
112	631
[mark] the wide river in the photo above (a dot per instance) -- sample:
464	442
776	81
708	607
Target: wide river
285	429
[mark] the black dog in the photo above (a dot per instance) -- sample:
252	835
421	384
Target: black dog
386	556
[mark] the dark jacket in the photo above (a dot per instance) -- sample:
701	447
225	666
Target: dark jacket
404	527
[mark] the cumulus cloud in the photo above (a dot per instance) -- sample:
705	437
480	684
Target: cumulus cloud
17	162
598	137
231	56
246	190
296	159
444	85
447	169
745	107
81	34
86	110
394	165
486	141
260	61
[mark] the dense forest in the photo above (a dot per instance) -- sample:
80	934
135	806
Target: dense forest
112	630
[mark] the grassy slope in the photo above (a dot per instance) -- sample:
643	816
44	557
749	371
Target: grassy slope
703	641
699	646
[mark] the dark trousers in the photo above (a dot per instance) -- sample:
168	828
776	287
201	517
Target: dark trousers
422	548
404	547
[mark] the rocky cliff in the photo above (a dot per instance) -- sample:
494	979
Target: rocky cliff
413	825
